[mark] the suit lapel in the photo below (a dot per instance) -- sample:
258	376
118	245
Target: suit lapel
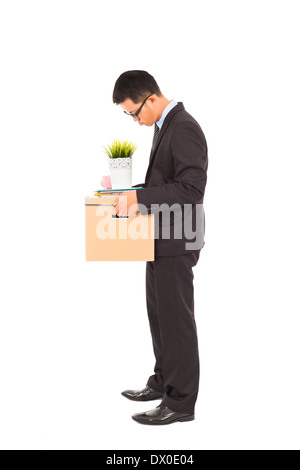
168	119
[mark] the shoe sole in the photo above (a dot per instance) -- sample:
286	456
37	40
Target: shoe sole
143	399
181	420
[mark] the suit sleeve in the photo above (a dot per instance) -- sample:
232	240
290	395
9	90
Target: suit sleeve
189	152
137	185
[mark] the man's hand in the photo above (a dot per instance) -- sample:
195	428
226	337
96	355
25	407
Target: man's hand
126	204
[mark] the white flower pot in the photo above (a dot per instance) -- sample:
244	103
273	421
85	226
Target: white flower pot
120	172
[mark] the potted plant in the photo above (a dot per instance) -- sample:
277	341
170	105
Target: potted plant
120	163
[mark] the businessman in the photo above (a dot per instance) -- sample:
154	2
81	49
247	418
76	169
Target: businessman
174	191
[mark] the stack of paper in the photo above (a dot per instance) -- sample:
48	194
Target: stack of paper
112	192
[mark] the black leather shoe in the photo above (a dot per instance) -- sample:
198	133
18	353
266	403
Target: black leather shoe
162	415
146	394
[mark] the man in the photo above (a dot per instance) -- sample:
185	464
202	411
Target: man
176	177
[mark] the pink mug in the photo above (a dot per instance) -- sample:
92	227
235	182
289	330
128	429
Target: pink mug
105	182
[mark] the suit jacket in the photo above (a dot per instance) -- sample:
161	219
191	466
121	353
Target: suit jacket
176	175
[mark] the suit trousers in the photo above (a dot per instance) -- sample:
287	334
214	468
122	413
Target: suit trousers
170	306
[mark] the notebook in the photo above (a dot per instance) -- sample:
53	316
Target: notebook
113	192
123	189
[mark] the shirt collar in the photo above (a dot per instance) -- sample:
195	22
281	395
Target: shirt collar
167	109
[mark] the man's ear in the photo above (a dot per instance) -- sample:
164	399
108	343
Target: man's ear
153	101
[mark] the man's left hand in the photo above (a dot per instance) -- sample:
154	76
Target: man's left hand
126	204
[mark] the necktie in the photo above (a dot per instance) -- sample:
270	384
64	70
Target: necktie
156	132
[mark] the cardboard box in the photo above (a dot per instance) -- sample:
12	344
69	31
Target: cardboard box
109	238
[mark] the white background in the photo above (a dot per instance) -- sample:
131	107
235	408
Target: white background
75	334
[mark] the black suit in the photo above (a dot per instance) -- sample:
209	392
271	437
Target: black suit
177	175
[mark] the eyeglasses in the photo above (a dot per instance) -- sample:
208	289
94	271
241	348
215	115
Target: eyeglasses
140	108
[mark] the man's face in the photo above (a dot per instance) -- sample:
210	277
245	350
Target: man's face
147	115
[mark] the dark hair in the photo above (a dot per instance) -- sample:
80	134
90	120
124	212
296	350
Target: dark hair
136	85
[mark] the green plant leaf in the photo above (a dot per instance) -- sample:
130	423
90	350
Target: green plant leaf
120	149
